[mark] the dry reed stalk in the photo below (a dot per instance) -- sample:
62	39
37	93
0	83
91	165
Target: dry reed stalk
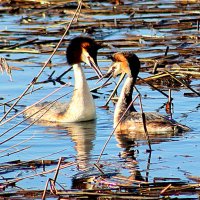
194	178
155	67
39	174
33	122
57	170
97	166
144	120
182	83
8	105
15	145
130	180
165	189
149	191
192	73
48	60
14	152
1	104
166	51
168	188
21	112
155	88
52	187
45	189
20	51
22	44
169	103
157	76
26	162
82	194
57	79
139	21
121	118
99	87
148	167
115	89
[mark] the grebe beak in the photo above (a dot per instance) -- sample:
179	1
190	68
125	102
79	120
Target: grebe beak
109	76
90	61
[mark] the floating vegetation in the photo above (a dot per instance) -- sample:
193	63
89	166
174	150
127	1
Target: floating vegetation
164	35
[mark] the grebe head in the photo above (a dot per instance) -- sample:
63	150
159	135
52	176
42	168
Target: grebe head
124	62
83	49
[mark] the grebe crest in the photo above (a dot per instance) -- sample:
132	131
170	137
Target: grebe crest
125	62
77	46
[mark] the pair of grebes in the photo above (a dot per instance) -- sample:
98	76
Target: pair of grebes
82	107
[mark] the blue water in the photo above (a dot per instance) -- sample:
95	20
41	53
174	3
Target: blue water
172	157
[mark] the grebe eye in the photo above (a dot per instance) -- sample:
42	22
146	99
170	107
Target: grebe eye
113	68
110	57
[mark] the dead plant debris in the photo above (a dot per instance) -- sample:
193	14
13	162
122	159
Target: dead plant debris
164	35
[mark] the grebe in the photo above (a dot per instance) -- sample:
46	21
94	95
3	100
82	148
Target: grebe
81	106
128	62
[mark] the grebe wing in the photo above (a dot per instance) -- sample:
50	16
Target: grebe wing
150	117
57	107
52	110
155	122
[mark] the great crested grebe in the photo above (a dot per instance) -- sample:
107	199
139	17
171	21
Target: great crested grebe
128	62
81	106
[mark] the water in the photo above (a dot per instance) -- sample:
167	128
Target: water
174	156
169	158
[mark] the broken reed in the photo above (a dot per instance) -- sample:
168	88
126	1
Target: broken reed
181	55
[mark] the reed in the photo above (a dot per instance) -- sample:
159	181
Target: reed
167	44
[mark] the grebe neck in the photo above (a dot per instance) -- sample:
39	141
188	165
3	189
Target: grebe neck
79	77
81	106
125	99
81	89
